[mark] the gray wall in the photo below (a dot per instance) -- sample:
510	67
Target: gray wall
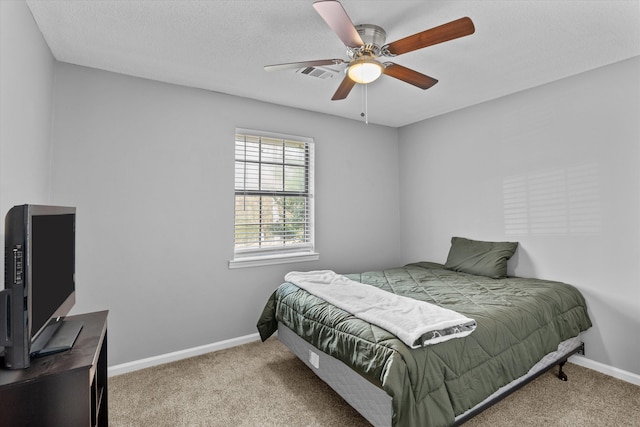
555	168
26	90
150	168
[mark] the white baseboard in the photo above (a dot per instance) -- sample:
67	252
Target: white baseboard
627	376
179	355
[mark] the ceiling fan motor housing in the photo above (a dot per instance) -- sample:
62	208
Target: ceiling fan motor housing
373	37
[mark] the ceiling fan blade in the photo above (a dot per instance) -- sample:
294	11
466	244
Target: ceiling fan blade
408	75
445	32
336	17
317	63
344	89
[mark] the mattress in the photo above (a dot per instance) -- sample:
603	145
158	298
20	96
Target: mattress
519	322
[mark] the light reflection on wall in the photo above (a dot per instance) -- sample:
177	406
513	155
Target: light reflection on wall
554	202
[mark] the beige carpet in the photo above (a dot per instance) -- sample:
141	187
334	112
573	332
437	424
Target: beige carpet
263	384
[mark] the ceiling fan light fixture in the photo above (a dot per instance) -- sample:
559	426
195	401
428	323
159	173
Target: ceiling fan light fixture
364	71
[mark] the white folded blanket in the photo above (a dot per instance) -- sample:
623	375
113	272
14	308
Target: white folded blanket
416	323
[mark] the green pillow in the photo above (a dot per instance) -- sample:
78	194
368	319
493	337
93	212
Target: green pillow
480	258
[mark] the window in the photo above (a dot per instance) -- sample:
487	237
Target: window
273	199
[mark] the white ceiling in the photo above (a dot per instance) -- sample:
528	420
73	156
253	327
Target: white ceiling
222	46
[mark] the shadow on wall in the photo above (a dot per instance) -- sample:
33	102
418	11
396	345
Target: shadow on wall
514	262
558	202
611	315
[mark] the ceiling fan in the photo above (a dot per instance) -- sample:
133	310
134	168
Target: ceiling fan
366	44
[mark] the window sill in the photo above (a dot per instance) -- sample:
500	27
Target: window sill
257	261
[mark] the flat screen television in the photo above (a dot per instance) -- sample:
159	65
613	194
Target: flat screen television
39	283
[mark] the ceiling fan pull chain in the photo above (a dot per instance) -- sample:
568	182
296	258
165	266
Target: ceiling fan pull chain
365	112
366	104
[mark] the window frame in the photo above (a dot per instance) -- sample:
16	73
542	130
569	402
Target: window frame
253	257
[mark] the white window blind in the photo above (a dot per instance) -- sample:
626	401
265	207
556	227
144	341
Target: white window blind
273	195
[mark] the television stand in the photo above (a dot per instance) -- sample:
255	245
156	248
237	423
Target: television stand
56	337
62	389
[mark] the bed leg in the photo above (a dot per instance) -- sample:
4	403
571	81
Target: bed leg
561	373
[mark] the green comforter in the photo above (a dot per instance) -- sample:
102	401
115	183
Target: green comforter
519	321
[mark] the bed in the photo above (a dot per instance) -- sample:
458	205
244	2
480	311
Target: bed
523	327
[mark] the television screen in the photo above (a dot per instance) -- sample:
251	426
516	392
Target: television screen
52	266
